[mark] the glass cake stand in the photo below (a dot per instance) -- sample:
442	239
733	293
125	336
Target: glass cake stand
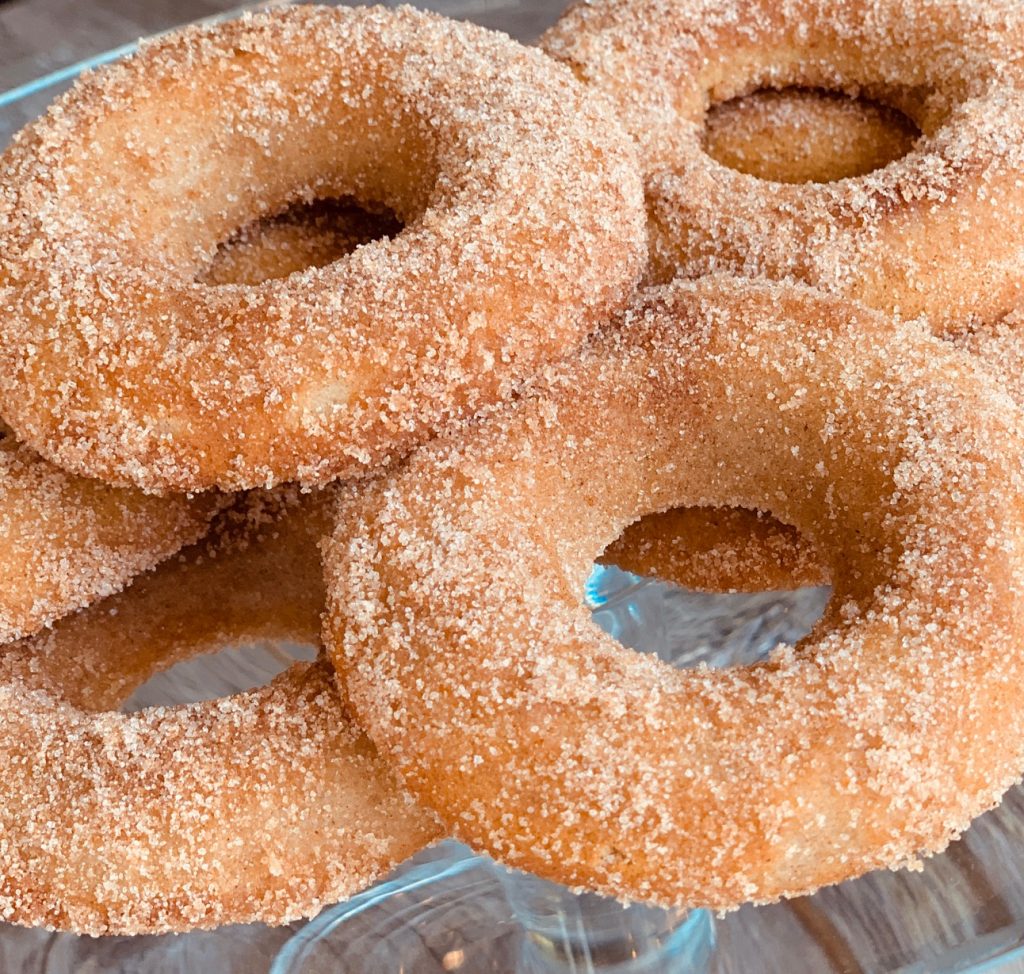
449	910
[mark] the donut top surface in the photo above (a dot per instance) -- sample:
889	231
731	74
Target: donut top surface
523	226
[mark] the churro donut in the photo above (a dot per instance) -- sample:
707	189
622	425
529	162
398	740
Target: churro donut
66	541
458	630
937	232
523	226
265	806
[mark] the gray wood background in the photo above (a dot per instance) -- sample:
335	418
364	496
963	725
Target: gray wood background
39	36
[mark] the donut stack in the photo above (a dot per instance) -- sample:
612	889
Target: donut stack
392	327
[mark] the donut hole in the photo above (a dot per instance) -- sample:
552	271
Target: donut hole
802	89
302	236
231	670
806	135
634	594
867	62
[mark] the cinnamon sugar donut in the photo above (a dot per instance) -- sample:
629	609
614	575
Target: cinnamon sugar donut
937	232
265	806
457	626
66	541
523	226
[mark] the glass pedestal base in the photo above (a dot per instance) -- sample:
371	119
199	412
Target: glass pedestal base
460	912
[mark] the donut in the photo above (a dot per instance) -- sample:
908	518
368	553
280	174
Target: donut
939	232
523	226
800	135
264	806
456	624
66	541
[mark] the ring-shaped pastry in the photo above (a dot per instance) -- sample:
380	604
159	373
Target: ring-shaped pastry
458	631
264	806
523	227
939	231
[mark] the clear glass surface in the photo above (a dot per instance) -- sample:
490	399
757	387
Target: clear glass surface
449	910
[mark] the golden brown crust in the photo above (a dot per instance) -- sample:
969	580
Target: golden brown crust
456	623
265	806
939	231
523	226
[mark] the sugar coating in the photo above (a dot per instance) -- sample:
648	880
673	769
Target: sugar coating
265	806
738	550
939	231
523	222
68	541
1001	348
456	623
